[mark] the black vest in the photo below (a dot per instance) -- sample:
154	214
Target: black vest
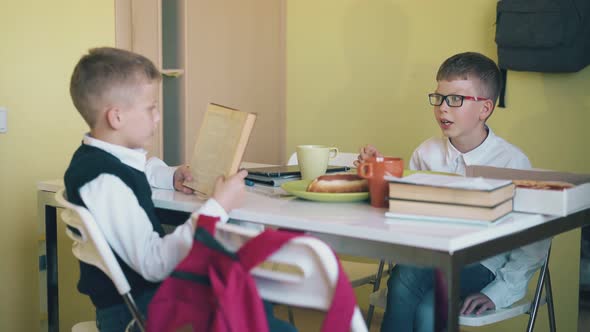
87	164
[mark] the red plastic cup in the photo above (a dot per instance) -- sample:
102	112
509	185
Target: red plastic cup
374	170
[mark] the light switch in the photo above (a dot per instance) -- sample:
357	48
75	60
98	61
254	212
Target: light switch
3	117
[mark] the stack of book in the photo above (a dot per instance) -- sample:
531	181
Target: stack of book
449	198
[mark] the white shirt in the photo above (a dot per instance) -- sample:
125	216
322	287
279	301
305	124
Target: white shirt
512	269
125	224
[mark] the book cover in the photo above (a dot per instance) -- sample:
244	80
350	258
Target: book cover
446	210
451	189
220	146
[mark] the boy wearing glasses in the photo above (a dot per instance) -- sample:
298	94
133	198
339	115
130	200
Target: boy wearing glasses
466	93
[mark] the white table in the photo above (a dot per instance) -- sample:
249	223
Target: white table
355	229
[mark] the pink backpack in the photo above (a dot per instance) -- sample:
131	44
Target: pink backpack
212	289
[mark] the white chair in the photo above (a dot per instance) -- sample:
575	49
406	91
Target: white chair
91	247
356	270
310	284
522	307
89	326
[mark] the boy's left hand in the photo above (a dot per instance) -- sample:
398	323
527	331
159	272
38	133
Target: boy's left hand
477	301
182	174
367	151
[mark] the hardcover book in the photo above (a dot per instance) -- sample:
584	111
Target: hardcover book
446	210
220	146
480	192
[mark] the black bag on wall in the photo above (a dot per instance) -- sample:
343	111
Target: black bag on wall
542	36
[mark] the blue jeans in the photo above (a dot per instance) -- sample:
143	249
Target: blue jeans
117	317
410	296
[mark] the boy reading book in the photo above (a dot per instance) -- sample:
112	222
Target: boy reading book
116	93
467	88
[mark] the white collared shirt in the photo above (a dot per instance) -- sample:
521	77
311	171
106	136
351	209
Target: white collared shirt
439	154
124	222
512	269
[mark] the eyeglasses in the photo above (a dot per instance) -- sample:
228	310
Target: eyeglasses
452	100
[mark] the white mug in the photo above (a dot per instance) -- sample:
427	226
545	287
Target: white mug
313	160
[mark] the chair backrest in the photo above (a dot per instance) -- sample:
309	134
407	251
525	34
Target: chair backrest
525	306
90	246
342	159
313	284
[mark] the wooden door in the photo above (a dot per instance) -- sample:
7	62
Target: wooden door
230	52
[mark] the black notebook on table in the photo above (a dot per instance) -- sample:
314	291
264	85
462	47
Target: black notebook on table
277	175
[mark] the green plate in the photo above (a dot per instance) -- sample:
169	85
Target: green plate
298	189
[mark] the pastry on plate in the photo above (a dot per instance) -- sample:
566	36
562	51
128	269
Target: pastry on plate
338	183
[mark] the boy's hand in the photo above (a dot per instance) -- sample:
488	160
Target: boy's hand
367	152
229	192
182	174
477	301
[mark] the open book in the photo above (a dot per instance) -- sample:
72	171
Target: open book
220	146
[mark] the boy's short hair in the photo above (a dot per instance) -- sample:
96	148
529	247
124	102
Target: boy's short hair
102	70
472	65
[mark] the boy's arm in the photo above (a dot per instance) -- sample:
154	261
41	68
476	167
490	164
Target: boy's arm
227	195
512	279
130	233
163	176
159	174
415	163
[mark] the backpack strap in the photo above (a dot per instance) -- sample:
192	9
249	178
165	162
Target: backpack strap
339	316
503	78
207	222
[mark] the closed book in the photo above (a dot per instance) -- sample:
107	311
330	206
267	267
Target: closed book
272	181
451	189
277	175
447	210
220	146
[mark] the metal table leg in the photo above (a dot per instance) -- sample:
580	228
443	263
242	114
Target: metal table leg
51	254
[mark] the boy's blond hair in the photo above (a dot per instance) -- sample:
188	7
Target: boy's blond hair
104	70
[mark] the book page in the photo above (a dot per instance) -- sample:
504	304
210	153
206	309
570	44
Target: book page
215	149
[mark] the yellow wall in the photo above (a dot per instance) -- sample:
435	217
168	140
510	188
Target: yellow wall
359	71
40	44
